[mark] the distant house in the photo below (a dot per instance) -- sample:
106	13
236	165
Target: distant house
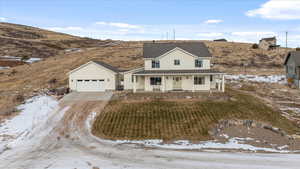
292	67
268	43
220	40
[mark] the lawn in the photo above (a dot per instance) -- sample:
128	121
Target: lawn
182	119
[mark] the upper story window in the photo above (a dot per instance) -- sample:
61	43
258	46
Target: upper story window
198	63
176	62
155	64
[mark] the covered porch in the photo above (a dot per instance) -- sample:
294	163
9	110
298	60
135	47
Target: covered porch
178	82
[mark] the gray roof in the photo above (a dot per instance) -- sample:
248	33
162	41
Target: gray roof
107	66
153	50
268	39
295	55
193	71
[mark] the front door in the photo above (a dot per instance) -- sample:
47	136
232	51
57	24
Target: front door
177	83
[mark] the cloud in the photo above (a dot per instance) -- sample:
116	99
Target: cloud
210	34
277	9
256	34
213	21
119	25
70	28
2	19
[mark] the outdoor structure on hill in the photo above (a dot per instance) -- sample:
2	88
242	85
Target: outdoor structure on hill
268	43
167	67
220	40
292	67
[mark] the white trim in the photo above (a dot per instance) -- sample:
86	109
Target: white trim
183	74
177	48
88	63
132	70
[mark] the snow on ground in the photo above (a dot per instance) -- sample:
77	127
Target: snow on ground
4	67
15	58
233	143
255	78
34	112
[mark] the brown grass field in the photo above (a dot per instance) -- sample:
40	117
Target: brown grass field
181	119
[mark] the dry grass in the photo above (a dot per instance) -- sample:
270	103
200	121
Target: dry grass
191	120
16	40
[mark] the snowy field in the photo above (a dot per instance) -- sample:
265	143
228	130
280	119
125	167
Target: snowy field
255	78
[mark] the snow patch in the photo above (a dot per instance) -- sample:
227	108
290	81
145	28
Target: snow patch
281	79
34	112
15	58
233	143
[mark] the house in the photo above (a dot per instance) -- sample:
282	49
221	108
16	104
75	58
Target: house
94	76
292	67
268	43
167	67
220	40
175	67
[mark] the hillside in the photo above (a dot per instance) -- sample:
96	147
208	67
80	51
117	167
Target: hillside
25	41
24	80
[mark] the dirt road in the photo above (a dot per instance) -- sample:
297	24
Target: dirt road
65	142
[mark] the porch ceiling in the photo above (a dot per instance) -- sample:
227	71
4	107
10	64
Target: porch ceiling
181	72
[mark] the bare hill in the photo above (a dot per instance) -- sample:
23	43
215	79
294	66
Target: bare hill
25	41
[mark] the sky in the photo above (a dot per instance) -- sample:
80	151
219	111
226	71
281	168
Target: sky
235	20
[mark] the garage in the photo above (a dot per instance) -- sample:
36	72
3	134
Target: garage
90	85
93	76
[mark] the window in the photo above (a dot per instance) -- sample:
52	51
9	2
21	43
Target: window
199	80
94	80
86	80
198	63
155	64
79	80
155	80
132	78
176	62
211	78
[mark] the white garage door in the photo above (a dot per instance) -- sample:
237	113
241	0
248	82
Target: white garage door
90	85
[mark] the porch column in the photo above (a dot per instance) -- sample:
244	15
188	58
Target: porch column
163	83
193	82
134	83
219	83
223	83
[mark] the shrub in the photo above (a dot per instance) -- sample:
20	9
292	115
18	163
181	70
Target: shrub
24	58
298	49
19	98
255	46
52	81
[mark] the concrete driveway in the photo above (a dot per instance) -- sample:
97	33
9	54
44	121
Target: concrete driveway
88	96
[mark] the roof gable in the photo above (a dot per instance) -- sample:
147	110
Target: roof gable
153	50
295	55
174	50
98	63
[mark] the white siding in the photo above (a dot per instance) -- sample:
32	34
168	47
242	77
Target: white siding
93	71
128	81
187	83
187	61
